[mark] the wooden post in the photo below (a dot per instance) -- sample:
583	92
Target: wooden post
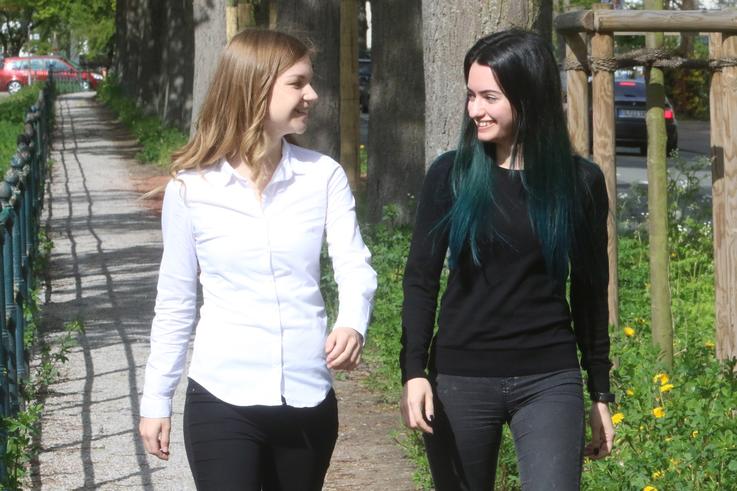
577	94
602	48
721	302
726	343
231	19
246	14
349	106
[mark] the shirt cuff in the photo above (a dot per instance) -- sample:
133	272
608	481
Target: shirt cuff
155	407
598	379
354	316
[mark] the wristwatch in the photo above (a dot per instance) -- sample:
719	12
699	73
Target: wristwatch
602	397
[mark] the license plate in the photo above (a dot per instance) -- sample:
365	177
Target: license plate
631	113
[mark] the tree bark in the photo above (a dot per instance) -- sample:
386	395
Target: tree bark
209	40
177	64
319	22
396	161
657	196
450	28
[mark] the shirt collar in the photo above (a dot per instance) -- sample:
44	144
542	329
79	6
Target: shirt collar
223	173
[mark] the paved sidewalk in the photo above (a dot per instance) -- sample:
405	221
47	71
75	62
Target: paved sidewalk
103	272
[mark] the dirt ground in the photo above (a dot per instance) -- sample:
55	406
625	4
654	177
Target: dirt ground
366	456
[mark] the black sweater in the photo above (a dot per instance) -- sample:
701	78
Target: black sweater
507	317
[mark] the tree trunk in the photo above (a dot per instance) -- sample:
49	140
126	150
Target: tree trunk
362	29
450	28
657	195
318	21
121	39
396	161
349	106
209	40
177	64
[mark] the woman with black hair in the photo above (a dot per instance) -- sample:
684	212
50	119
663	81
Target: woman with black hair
518	217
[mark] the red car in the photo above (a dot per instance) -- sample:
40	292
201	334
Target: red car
19	71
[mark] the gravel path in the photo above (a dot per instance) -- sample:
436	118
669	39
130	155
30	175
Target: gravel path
107	245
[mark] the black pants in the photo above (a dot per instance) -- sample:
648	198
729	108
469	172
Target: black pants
544	411
254	448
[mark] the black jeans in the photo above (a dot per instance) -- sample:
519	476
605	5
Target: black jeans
545	414
254	448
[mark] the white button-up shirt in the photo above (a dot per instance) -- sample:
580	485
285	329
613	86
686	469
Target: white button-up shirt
262	326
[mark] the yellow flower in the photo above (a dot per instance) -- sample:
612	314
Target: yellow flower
709	344
675	462
694	433
657	475
662	378
666	388
630	392
649	488
672	254
668	438
617	418
658	412
362	146
628	331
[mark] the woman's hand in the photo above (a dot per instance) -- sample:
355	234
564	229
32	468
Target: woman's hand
602	432
155	435
343	348
417	405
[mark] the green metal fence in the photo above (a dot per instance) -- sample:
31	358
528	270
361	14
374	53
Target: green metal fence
21	202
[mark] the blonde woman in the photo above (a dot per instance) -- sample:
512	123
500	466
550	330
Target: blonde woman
245	215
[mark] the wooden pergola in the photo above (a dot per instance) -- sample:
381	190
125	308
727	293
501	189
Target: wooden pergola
596	28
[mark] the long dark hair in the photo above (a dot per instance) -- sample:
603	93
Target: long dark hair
525	69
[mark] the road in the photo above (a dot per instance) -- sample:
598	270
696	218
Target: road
693	143
693	138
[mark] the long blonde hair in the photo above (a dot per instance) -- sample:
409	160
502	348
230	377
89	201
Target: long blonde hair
231	121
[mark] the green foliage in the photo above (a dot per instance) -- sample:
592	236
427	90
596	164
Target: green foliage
61	26
157	141
21	430
689	92
13	111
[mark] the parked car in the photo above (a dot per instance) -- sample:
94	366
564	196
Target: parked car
630	107
19	71
364	82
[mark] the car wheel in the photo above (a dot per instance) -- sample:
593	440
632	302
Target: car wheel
14	86
85	85
643	149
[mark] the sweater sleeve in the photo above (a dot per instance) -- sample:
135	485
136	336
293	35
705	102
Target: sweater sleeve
590	281
424	266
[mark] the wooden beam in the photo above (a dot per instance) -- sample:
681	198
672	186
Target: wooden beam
580	20
727	335
602	90
648	21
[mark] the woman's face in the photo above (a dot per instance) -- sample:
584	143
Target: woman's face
291	99
489	108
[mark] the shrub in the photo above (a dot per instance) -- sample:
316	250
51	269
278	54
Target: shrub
13	111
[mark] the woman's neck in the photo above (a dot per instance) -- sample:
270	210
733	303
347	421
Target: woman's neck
266	166
504	157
